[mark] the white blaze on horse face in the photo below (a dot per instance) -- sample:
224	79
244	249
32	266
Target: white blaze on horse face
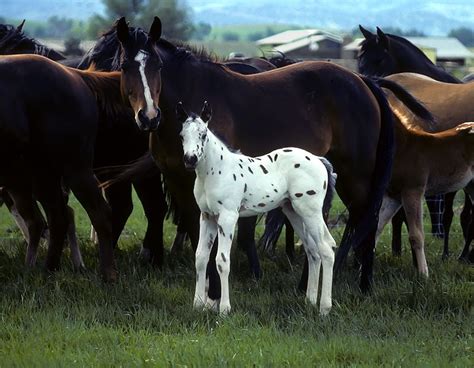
141	58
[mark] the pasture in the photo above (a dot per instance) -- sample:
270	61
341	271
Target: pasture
146	318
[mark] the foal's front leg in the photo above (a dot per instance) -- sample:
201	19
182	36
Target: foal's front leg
226	227
207	235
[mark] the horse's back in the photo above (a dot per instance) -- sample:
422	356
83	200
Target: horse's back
450	104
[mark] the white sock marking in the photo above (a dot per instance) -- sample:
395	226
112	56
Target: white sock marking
142	57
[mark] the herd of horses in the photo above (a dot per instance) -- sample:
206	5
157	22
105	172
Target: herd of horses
60	121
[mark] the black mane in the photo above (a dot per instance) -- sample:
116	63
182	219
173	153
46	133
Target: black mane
106	53
13	41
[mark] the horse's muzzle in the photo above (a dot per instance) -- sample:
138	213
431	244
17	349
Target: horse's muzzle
145	123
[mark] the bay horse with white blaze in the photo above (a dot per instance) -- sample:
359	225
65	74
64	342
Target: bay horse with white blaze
338	114
230	185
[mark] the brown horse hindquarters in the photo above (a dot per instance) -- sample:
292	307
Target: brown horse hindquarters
61	119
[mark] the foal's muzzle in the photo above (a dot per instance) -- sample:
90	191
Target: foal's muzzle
147	124
190	162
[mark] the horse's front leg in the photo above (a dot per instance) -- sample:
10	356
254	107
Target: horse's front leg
412	203
207	235
226	227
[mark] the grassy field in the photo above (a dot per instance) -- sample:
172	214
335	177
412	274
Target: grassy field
146	319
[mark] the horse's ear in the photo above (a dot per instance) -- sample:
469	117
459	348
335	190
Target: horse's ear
20	26
181	113
366	33
155	29
382	38
206	112
122	30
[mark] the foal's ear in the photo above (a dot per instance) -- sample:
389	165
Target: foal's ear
122	30
206	112
20	26
155	29
181	113
366	33
382	38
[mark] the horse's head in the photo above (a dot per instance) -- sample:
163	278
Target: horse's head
374	57
193	133
141	76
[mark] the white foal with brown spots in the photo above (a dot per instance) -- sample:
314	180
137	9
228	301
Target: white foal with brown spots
230	185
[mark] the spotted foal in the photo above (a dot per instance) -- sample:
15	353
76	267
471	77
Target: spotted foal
230	185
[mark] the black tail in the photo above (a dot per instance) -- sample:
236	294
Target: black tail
404	96
139	169
332	176
356	232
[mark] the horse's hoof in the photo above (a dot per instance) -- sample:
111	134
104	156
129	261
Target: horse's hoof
224	310
445	256
110	275
145	255
212	305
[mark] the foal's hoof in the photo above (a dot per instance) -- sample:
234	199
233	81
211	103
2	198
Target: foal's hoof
224	310
445	256
324	311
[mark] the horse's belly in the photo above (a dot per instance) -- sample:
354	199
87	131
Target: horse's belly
448	184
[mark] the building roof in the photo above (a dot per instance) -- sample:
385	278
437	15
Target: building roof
291	46
446	47
295	35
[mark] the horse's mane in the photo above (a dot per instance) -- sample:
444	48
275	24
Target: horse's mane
105	54
11	38
106	88
412	47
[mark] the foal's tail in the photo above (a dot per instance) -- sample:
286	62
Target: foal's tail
358	229
332	176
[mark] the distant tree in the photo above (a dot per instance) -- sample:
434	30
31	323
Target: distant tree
173	14
254	36
201	31
59	27
3	20
392	30
72	46
464	35
230	36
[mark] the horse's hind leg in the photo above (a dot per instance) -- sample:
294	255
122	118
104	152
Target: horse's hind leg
397	224
85	188
289	240
246	241
76	256
466	214
465	254
412	203
447	220
50	193
388	209
119	198
32	218
150	192
436	207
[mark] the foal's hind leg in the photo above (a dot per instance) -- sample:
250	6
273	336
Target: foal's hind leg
465	254
397	224
76	256
388	209
412	203
84	186
435	205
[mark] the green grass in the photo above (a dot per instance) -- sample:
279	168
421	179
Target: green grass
146	318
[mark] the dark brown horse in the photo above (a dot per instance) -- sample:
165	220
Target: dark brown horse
118	142
49	118
317	106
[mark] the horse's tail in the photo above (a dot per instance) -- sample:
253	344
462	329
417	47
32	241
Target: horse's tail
356	232
138	170
331	189
405	97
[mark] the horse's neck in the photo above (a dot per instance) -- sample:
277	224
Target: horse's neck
215	156
419	63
